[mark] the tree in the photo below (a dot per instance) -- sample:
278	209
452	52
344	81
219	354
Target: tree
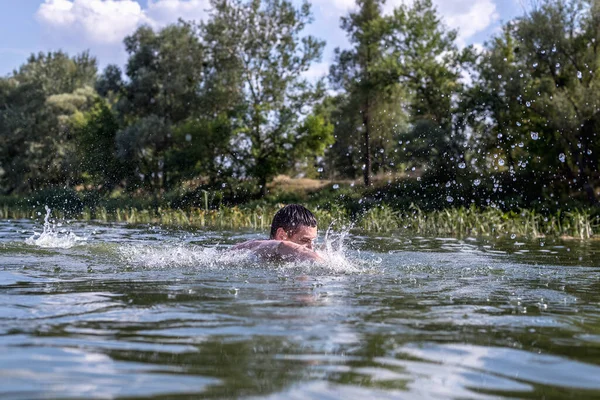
36	102
403	78
110	83
427	63
95	132
263	41
387	120
355	71
165	71
538	94
202	148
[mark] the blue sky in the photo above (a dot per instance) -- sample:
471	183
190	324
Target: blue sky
28	26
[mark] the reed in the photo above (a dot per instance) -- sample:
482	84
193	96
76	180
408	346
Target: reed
457	222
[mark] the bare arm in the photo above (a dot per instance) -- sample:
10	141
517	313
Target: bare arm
279	250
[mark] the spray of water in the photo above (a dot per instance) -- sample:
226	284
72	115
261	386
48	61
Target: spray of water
177	255
53	236
333	250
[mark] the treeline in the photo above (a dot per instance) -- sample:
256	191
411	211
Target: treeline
225	105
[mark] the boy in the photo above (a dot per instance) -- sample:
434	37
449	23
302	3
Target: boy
293	230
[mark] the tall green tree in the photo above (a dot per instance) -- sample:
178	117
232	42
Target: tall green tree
355	72
539	98
201	149
271	55
95	136
165	71
402	77
388	119
36	101
426	61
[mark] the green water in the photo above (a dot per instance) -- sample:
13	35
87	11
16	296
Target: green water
113	311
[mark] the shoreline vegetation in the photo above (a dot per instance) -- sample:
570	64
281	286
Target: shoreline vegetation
407	131
379	218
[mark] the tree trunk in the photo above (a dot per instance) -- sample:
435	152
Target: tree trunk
263	185
588	162
367	146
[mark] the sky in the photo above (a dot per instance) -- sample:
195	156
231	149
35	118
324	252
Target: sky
31	26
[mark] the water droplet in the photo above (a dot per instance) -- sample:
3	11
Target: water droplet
188	138
579	75
535	135
477	182
535	65
500	162
589	152
462	165
336	186
513	236
449	199
528	104
320	169
562	157
521	144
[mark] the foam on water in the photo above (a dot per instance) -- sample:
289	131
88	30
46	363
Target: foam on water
181	255
173	254
52	236
191	256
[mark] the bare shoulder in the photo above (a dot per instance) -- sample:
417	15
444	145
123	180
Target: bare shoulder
262	248
278	250
248	245
256	244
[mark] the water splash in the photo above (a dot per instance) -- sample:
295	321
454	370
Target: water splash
52	236
179	255
183	255
334	250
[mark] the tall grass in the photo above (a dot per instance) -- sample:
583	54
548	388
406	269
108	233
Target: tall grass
457	222
477	222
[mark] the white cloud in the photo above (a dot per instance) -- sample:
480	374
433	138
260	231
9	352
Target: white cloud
109	21
468	16
97	21
163	12
317	70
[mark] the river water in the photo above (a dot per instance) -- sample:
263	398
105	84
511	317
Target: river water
107	310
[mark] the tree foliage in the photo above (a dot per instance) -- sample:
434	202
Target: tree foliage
269	55
229	99
36	102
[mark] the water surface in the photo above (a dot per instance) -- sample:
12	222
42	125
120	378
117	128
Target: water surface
107	310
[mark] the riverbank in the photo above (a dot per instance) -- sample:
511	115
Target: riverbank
456	222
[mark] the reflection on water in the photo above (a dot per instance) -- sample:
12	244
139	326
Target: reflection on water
137	312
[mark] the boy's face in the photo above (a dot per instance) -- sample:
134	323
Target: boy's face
304	236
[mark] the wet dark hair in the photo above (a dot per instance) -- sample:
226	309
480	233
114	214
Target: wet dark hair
290	218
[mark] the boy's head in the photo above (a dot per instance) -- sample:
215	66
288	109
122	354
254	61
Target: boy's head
294	223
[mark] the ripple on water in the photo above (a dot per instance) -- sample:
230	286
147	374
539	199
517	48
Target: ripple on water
147	311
